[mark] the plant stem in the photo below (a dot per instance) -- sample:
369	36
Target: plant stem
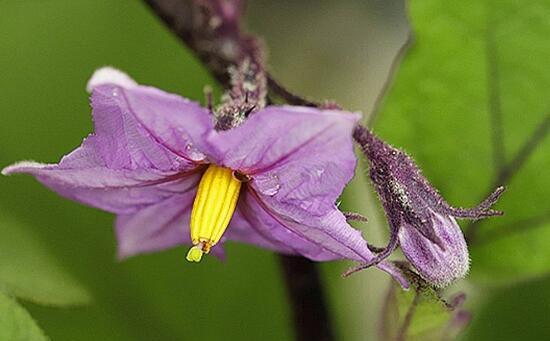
306	294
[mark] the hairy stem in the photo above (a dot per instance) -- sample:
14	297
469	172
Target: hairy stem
306	294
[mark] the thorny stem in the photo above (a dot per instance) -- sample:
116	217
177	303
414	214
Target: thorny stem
212	30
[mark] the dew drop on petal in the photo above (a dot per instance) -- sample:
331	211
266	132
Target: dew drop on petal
268	184
274	190
193	153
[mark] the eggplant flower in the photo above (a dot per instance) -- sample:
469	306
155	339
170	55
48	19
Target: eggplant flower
157	162
422	223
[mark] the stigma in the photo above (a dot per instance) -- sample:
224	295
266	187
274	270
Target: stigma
212	210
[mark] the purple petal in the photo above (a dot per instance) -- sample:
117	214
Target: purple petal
279	135
176	123
156	227
436	265
253	224
303	157
300	159
122	167
113	190
120	139
244	228
319	238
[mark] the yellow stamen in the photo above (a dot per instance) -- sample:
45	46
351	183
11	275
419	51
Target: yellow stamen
212	210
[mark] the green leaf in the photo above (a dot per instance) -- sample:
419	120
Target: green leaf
420	313
30	272
470	103
15	322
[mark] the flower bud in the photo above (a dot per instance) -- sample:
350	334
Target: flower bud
420	220
437	264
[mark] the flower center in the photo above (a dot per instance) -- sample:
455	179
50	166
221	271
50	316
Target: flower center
212	210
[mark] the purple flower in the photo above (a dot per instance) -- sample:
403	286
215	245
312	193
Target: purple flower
421	221
157	162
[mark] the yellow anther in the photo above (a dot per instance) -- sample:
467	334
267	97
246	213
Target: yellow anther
213	208
195	254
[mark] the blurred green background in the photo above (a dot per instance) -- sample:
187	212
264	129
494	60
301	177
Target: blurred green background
60	253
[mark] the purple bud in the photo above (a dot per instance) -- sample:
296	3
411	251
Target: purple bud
439	265
421	221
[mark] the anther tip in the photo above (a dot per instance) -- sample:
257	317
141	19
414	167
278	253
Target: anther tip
194	254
